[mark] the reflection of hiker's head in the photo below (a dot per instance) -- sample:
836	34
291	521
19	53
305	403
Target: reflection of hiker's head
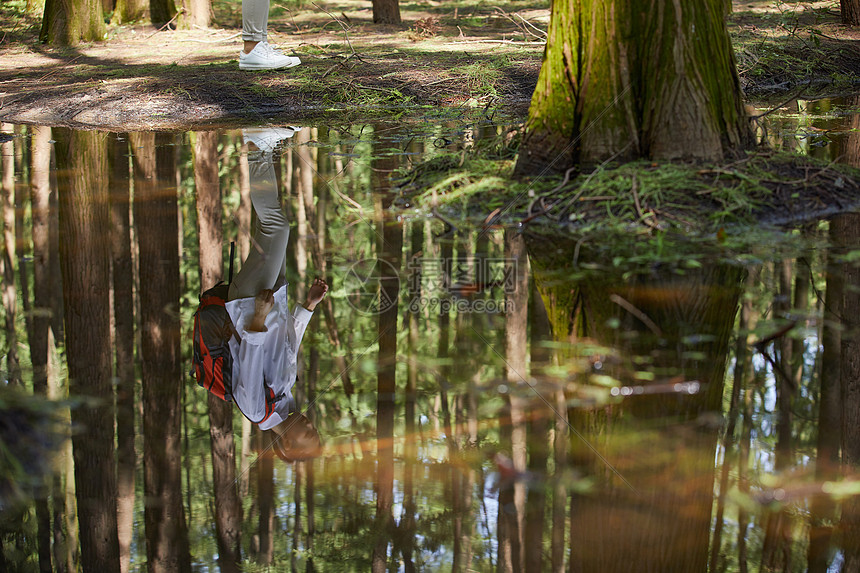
296	439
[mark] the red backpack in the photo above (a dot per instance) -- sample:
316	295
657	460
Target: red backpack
212	358
213	329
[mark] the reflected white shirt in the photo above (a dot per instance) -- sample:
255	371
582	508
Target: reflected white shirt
270	355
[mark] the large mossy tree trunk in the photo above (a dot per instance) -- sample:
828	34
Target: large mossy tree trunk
69	22
628	79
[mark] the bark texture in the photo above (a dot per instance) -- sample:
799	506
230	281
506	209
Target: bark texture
155	214
850	12
85	264
228	511
70	22
123	326
845	232
386	12
634	78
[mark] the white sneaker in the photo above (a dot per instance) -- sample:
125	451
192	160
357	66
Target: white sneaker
265	57
267	138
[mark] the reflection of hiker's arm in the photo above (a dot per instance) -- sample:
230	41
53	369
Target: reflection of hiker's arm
297	323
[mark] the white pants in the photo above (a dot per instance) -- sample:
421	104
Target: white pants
266	265
255	20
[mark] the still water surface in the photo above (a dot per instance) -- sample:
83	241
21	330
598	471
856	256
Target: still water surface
488	399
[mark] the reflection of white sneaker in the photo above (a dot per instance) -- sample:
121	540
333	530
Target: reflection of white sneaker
265	57
267	138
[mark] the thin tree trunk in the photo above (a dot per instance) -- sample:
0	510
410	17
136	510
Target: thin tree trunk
155	214
123	312
845	229
390	250
85	263
738	380
829	409
40	191
243	219
265	499
228	510
10	292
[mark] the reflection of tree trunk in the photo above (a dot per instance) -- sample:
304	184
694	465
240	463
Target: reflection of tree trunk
664	523
739	375
243	241
845	232
228	510
10	293
123	313
40	190
155	214
829	409
776	551
410	450
265	498
85	263
304	164
512	433
390	249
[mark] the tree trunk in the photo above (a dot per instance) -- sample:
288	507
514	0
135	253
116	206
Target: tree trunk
155	214
85	263
386	12
196	14
228	510
160	11
9	291
69	22
850	12
631	516
829	409
845	231
627	79
390	250
128	11
40	191
123	312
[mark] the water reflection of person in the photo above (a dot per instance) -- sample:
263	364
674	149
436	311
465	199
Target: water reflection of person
270	334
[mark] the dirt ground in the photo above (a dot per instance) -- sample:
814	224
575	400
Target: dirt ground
443	55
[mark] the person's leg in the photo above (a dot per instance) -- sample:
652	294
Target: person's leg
266	264
255	20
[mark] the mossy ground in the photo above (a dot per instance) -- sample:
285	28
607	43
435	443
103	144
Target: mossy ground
764	187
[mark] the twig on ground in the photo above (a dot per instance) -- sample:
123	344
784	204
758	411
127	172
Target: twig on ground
168	23
343	26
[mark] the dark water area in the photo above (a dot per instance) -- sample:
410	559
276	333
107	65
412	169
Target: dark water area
488	399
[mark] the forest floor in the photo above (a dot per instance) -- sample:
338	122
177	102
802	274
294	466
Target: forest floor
467	53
